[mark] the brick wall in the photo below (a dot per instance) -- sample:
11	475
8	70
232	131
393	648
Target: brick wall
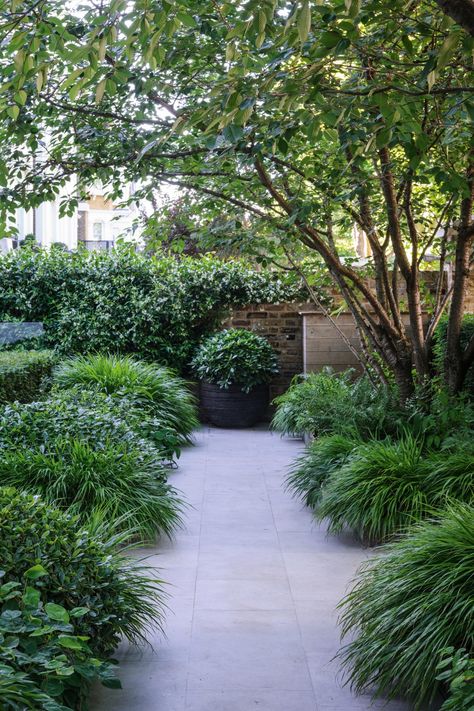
282	325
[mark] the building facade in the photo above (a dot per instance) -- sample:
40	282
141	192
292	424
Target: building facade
97	223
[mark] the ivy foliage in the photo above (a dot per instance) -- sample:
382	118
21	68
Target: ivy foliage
44	663
125	302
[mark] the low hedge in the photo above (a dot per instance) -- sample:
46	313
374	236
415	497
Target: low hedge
22	374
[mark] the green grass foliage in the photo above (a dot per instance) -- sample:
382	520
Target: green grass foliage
311	471
379	492
409	605
118	481
145	386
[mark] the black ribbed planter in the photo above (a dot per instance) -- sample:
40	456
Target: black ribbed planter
230	407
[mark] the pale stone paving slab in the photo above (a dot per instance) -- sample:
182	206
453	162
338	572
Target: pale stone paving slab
254	587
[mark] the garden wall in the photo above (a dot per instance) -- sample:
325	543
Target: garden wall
304	338
282	324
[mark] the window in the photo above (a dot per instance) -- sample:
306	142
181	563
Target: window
97	231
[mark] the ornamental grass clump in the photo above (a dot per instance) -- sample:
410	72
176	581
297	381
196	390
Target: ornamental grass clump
322	458
379	491
118	480
409	605
152	388
235	357
451	475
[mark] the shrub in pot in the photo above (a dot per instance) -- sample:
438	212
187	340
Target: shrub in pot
234	368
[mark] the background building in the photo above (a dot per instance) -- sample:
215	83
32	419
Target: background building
97	223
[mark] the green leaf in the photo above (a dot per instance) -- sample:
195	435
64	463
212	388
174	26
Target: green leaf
56	612
304	21
31	597
13	112
99	92
69	642
187	20
448	48
37	571
330	38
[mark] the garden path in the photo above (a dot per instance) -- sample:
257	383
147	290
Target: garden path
255	582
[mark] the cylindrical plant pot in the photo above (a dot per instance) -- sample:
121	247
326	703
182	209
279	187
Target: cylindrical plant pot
230	407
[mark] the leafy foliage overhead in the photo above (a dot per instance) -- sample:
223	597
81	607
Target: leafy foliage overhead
301	118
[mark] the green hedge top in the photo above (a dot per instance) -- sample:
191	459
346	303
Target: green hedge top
22	374
124	302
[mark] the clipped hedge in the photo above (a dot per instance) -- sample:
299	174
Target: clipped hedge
158	309
22	374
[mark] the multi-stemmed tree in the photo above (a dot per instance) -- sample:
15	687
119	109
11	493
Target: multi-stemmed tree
307	118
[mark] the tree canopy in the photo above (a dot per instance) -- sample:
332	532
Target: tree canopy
296	119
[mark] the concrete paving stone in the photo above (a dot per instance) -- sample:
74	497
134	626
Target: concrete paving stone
146	686
249	650
252	624
243	594
219	561
255	700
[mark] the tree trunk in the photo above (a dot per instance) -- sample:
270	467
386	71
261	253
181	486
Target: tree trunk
454	367
461	11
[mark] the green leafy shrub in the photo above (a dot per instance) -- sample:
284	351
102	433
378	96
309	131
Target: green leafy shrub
77	567
115	479
22	374
235	357
147	387
379	491
327	403
317	464
44	664
440	418
457	670
409	605
75	414
158	309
